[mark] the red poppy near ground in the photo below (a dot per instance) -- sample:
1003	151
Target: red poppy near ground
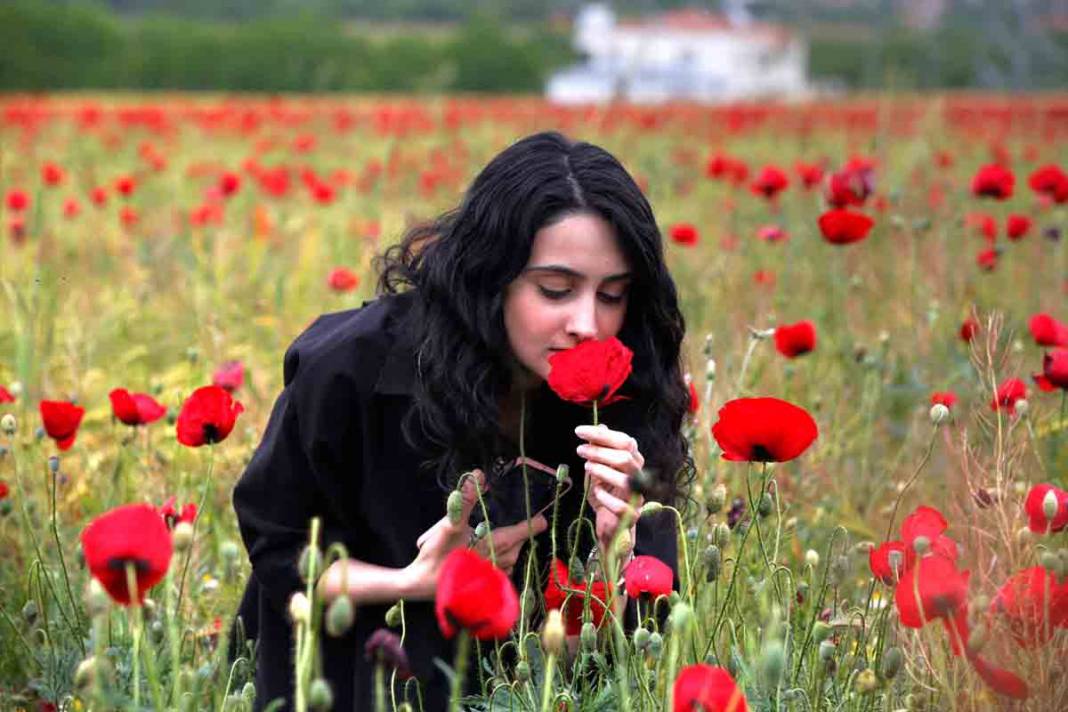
99	196
649	576
1033	603
1051	182
1034	506
1017	226
1010	391
993	181
707	688
71	208
684	234
932	588
6	396
591	372
763	430
229	376
129	216
969	328
172	515
843	227
135	408
987	259
52	174
342	279
793	340
771	181
772	233
61	420
985	223
17	200
207	416
125	185
229	184
1055	368
946	398
1048	331
764	277
476	596
555	597
811	174
884	567
133	534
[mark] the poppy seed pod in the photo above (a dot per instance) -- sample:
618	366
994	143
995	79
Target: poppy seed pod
939	413
95	599
641	638
651	508
552	634
681	617
562	473
320	696
866	681
713	562
812	558
8	424
716	498
588	636
394	615
454	506
656	645
522	671
299	608
310	563
182	536
384	646
827	650
921	545
340	616
1051	504
892	661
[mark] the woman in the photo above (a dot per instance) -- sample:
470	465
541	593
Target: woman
384	406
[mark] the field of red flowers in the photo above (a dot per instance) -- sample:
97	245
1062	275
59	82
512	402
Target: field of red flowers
876	295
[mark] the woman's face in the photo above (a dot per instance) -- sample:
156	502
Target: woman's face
573	288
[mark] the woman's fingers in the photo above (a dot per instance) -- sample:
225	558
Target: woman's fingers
508	541
613	479
614	504
599	435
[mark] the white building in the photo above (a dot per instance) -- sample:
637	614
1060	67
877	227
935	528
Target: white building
681	55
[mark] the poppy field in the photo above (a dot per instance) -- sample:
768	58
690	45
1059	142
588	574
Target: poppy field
876	298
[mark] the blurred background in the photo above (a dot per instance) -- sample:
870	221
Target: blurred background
646	51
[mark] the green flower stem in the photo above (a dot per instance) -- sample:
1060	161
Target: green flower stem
547	686
189	553
459	670
135	625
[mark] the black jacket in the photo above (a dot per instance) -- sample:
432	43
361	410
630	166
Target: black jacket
333	447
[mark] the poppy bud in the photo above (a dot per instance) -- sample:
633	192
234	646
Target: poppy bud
384	646
552	634
454	506
713	562
1022	406
921	545
821	631
339	616
299	608
248	693
90	670
651	508
481	530
95	598
29	612
53	464
309	563
1050	561
1023	536
641	639
765	504
562	473
681	617
939	413
812	558
1051	504
394	615
182	536
717	498
866	682
8	424
723	535
827	650
522	671
656	645
155	631
710	370
623	544
320	696
773	662
578	571
893	659
977	638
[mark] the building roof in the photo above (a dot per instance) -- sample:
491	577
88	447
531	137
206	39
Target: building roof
692	20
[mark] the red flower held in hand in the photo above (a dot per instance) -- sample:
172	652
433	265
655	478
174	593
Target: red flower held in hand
342	279
1016	226
707	688
230	375
555	597
649	576
793	340
476	596
61	421
133	534
1048	331
843	227
207	416
1035	507
771	181
684	234
135	408
591	372
763	430
172	516
993	181
1010	391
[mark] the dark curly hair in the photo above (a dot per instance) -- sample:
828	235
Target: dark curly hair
459	265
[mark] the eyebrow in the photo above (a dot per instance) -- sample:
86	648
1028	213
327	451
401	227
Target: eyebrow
561	269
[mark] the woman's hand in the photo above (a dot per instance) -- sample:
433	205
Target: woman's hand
612	457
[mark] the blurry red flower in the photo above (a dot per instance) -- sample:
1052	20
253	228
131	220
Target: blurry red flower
684	234
322	193
923	521
695	402
793	340
61	420
852	185
931	588
884	567
6	396
342	279
135	408
763	430
230	376
946	398
591	372
1050	181
128	216
52	174
132	534
125	185
993	181
71	208
1055	368
1010	391
99	196
5	490
476	596
171	515
969	328
771	181
1034	604
764	277
1016	226
207	416
1034	506
647	575
707	688
229	183
17	200
987	259
1048	331
1000	680
772	233
986	223
555	595
811	174
842	227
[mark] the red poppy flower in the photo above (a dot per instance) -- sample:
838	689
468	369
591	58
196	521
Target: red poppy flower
17	200
771	181
684	234
993	181
987	259
71	208
843	227
884	567
772	233
591	372
52	174
1034	604
1010	391
707	688
931	588
476	596
555	597
647	575
969	328
125	185
763	430
985	223
1051	182
852	185
132	534
764	277
207	416
99	196
342	279
172	516
1048	331
129	216
1000	680
811	174
229	183
135	408
923	521
61	421
695	401
1055	368
1034	506
5	490
230	376
1016	226
793	340
6	396
946	398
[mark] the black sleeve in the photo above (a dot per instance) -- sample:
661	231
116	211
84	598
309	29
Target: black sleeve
306	465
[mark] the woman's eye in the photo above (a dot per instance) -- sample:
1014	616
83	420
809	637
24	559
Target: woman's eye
611	298
553	293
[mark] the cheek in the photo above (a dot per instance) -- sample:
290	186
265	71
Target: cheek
529	321
610	322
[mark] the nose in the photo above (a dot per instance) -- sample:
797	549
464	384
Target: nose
582	321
